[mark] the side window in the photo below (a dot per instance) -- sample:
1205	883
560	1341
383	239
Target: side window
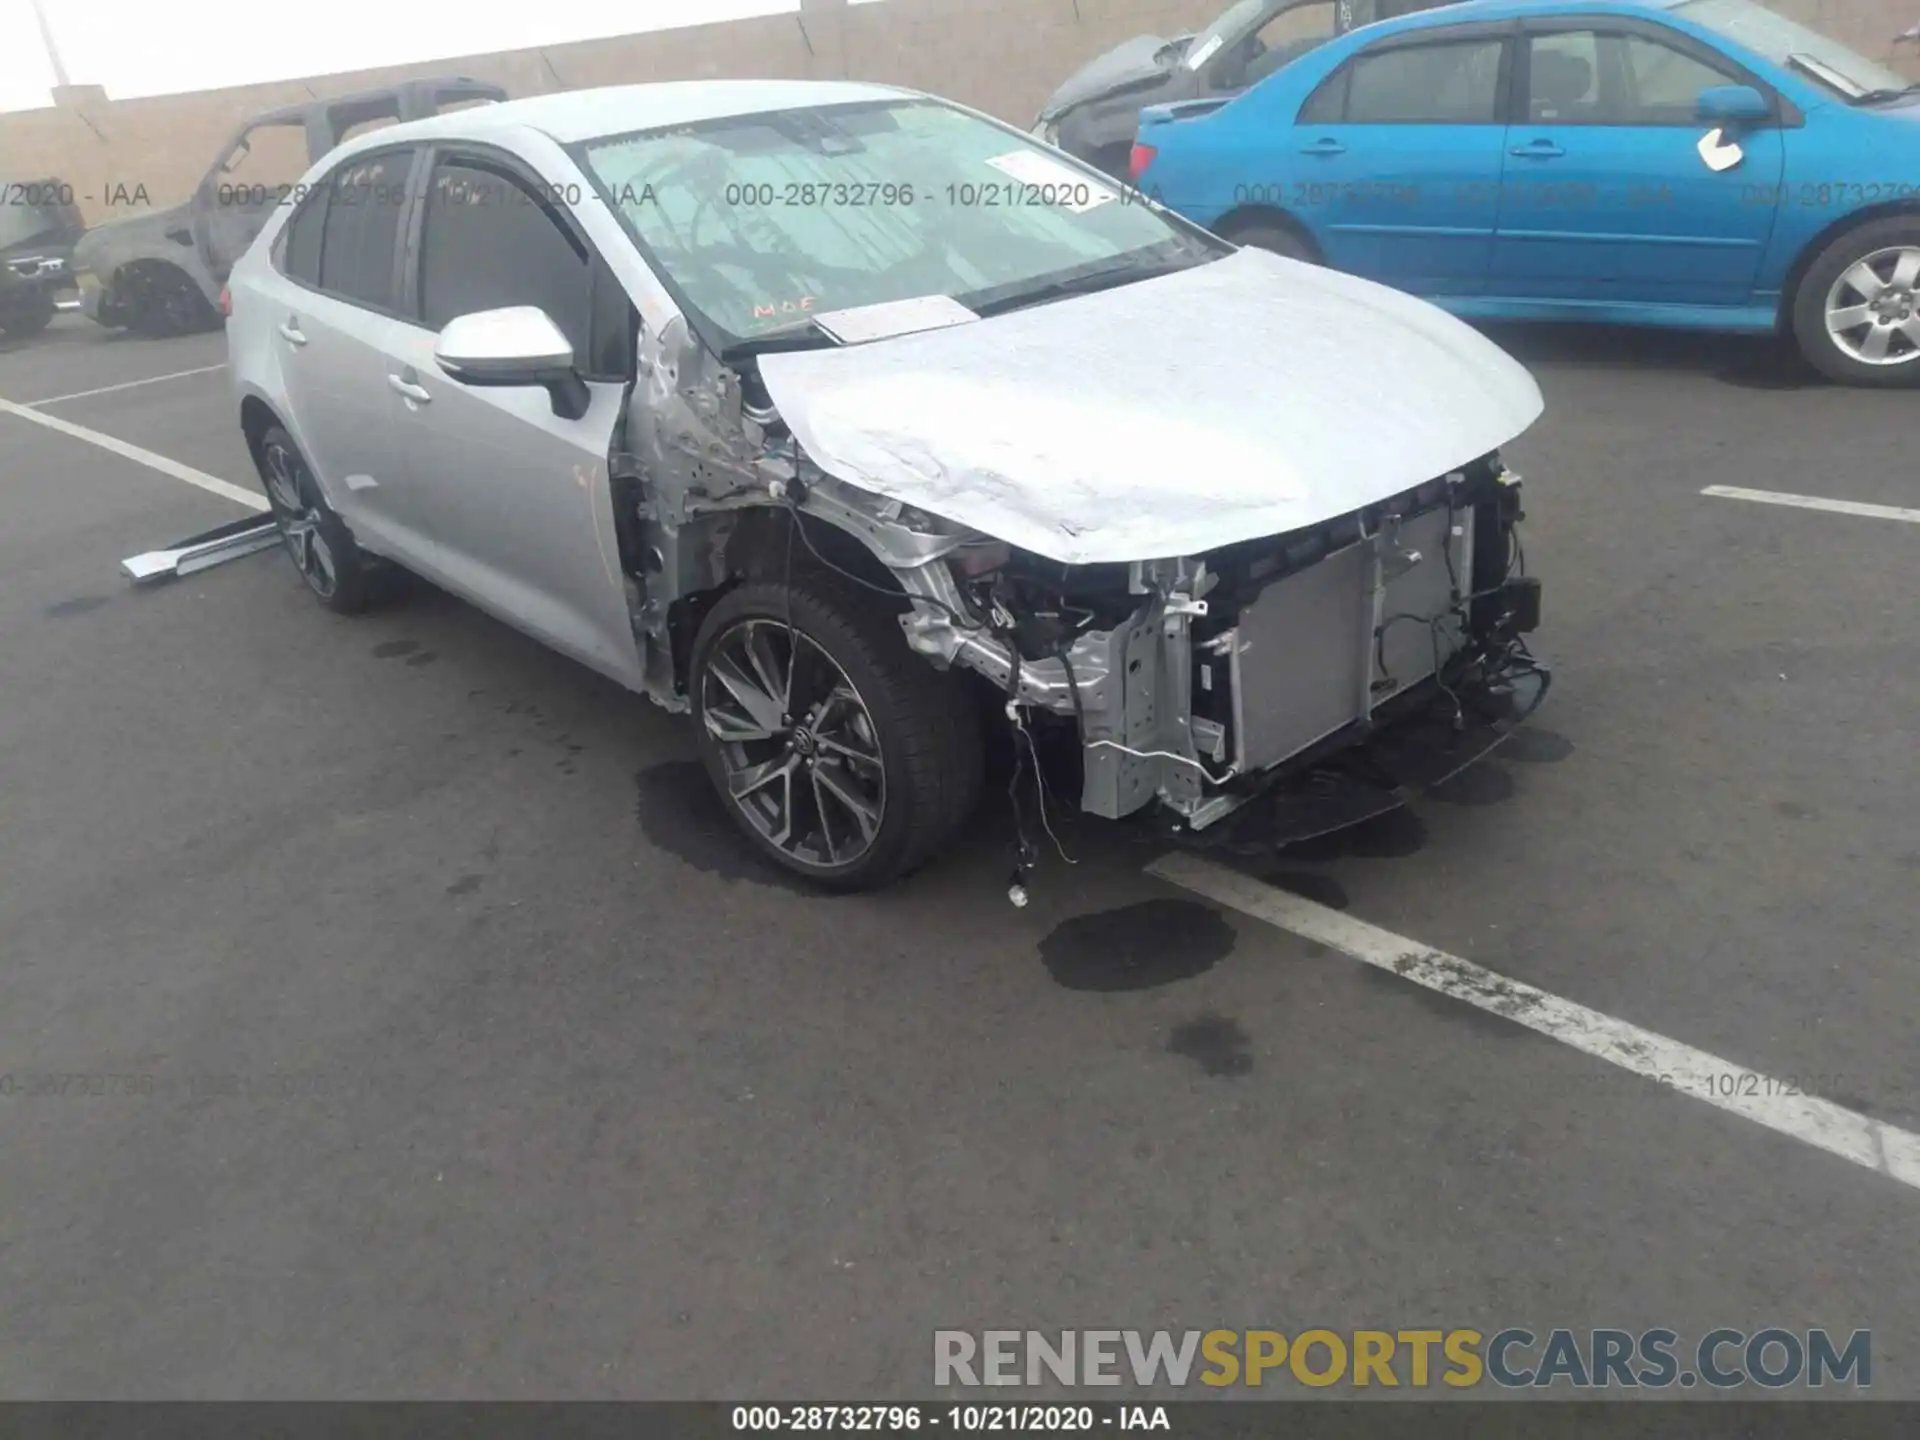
1563	78
1664	84
299	257
1454	82
487	243
360	237
1584	77
1328	104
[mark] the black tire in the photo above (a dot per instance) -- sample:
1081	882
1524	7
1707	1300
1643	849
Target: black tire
1273	235
924	728
166	303
1877	242
35	312
342	576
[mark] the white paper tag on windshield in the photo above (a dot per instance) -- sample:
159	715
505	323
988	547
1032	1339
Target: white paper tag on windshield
1053	183
1197	58
893	317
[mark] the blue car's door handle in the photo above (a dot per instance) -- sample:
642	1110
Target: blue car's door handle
1324	147
1537	150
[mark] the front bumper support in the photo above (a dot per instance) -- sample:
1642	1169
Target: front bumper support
1419	741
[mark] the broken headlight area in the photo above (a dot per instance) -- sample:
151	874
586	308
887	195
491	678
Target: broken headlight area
1336	668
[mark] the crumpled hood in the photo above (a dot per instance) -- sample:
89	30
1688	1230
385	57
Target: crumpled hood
1242	398
1128	63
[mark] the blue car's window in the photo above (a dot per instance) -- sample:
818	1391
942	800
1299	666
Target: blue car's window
1581	77
1453	83
1665	84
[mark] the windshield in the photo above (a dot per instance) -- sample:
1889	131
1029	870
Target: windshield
761	220
1239	18
1840	69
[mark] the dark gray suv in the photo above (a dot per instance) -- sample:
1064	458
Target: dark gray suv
1094	114
38	227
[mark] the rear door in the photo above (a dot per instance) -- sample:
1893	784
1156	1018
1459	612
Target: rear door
333	307
520	499
1397	158
1607	197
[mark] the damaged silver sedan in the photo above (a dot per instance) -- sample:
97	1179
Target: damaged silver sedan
856	423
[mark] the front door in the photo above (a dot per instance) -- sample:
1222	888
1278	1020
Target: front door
522	506
1608	196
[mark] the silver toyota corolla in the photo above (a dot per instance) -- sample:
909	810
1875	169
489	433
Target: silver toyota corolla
854	422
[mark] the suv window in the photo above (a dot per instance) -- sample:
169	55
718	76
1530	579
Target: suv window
1451	82
360	236
1587	77
487	242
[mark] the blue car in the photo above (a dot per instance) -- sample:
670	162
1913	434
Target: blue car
1704	164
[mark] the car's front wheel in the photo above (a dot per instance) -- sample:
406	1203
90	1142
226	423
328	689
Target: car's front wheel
842	756
341	576
1856	315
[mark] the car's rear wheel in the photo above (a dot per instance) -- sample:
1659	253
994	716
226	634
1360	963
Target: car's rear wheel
1276	236
841	755
1856	315
341	576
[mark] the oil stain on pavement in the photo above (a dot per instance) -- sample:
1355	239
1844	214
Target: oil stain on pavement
1216	1044
1137	947
78	605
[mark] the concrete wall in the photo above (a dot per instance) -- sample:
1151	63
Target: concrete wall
1003	56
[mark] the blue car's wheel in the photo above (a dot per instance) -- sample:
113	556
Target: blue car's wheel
1276	236
1857	313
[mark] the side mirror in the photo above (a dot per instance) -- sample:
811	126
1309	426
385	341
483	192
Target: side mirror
1733	104
518	346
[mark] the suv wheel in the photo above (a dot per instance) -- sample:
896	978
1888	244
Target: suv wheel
342	577
168	303
842	755
1856	315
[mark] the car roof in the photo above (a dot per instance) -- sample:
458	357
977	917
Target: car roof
1512	9
574	115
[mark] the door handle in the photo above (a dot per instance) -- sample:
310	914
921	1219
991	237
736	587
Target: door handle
1538	150
1324	147
416	393
290	332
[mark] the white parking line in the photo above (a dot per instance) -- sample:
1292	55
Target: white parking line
1813	502
252	499
125	385
1763	1099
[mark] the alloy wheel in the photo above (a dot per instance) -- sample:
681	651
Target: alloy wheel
1873	309
798	746
288	487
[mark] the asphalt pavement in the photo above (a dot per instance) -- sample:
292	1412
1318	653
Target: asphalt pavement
481	1060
